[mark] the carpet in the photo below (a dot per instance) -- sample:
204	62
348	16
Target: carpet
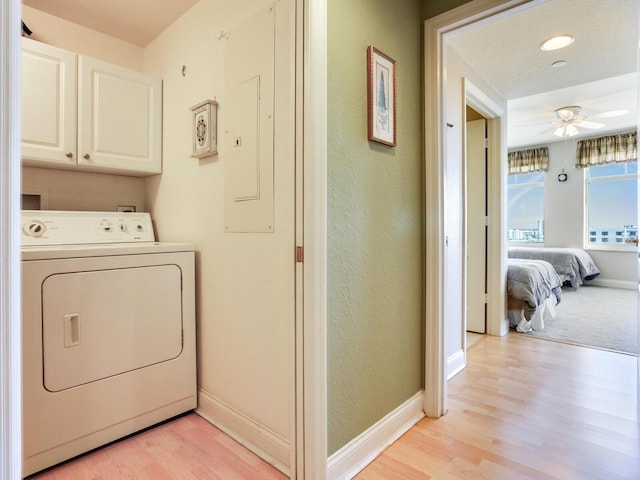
599	317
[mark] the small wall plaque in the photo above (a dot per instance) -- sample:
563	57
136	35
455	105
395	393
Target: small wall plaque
205	126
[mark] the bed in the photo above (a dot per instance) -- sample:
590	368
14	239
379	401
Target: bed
573	265
534	289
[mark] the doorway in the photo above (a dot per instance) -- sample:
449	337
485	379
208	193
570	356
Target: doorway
439	92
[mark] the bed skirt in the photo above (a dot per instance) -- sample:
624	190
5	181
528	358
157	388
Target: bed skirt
517	320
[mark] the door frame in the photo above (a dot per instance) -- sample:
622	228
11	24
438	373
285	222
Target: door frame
311	180
435	67
10	324
496	171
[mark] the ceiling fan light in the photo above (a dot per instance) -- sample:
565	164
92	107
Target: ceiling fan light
557	42
570	130
559	132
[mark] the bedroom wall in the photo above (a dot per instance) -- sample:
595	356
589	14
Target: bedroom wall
375	228
64	190
564	212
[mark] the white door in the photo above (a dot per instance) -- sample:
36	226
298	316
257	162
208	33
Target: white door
476	228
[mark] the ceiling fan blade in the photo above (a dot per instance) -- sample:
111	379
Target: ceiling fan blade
612	113
587	124
534	124
548	130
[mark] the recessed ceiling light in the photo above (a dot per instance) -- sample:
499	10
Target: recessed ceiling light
559	63
559	41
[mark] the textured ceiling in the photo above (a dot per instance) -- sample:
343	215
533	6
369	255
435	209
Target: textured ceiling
506	53
135	21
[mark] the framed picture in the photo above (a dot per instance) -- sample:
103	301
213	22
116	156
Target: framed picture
205	125
381	97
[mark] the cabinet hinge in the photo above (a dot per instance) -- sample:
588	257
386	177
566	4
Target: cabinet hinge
486	298
299	255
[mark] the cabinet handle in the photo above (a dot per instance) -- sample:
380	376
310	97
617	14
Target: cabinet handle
69	155
86	156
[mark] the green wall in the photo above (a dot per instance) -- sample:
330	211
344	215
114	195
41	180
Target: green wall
375	221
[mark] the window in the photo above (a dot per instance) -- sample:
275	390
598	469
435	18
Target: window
525	208
612	210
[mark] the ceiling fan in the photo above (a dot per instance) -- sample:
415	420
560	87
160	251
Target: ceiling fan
569	118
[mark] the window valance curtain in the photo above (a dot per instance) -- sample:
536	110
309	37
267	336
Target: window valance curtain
622	147
529	160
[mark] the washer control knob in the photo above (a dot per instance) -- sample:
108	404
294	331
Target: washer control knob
34	228
123	227
139	227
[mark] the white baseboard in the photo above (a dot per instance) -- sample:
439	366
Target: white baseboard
362	450
504	327
455	363
268	445
604	282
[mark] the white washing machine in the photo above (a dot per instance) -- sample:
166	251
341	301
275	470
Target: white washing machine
108	331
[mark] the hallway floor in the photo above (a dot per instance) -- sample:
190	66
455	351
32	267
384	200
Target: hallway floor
526	408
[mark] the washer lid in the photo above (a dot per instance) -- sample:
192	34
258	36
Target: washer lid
50	252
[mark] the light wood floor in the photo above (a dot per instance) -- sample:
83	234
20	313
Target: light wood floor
524	408
186	448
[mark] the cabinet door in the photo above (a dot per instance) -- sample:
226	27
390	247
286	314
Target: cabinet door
119	119
49	79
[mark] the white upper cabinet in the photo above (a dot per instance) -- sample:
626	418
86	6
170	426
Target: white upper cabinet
85	114
49	104
119	118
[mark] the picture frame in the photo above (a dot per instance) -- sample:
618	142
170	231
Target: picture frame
205	126
381	97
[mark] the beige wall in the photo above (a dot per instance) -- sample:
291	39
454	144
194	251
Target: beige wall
76	38
67	190
245	281
375	227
